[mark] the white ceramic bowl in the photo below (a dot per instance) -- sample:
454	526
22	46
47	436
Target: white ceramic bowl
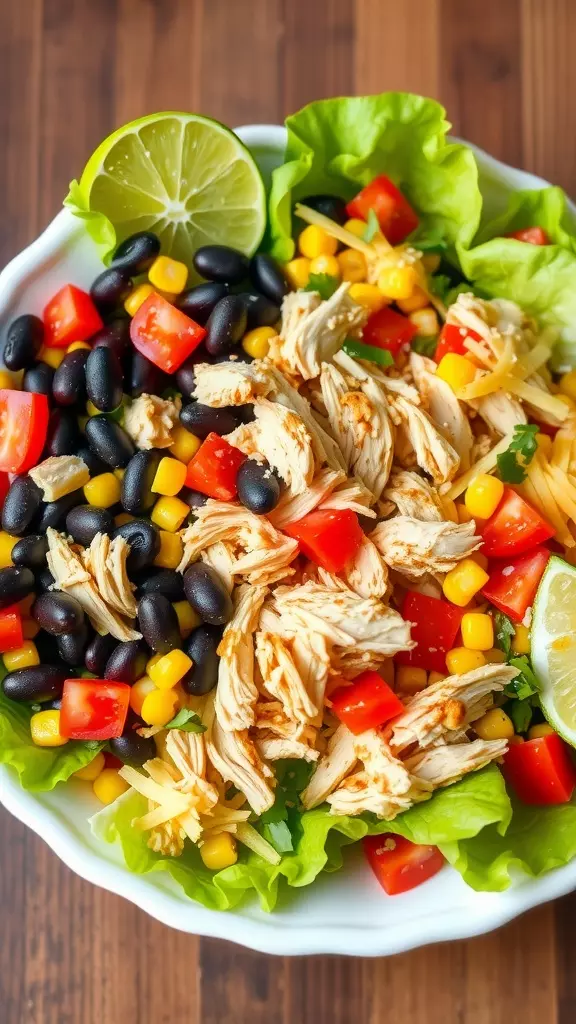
343	913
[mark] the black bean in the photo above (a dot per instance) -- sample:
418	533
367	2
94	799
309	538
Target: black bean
207	594
226	325
52	705
258	487
198	302
137	253
103	379
136	496
144	378
260	311
58	613
85	521
186	377
268	278
127	662
53	513
16	583
36	684
38	379
245	413
201	646
31	551
69	384
109	441
202	420
23	342
95	465
161	581
144	541
97	653
110	289
194	499
330	206
20	505
72	646
221	263
158	623
115	335
63	435
44	580
133	749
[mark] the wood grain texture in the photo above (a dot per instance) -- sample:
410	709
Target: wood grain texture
70	72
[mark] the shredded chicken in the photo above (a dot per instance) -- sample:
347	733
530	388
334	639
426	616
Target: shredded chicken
443	407
237	692
279	436
220	557
339	759
277	748
234	756
433	453
446	763
383	786
59	475
500	411
413	547
290	508
281	678
353	495
150	420
220	385
106	560
367	574
313	330
413	496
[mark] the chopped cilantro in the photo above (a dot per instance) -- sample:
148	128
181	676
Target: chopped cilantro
279	836
358	350
525	684
520	452
372	227
520	711
186	721
424	346
324	284
504	632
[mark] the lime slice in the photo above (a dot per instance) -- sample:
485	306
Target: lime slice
185	177
554	646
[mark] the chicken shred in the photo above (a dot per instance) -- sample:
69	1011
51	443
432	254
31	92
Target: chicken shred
339	759
237	692
443	407
413	547
313	330
106	560
413	496
220	385
59	475
446	763
150	420
367	574
234	756
433	453
279	436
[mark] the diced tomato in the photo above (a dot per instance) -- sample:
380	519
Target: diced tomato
329	537
164	334
515	527
70	316
366	703
400	865
389	330
535	236
111	761
513	582
451	340
11	636
214	468
395	216
23	425
540	771
93	709
4	486
435	625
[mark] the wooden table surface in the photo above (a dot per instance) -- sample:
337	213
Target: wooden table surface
70	72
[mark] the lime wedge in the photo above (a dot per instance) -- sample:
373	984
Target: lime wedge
554	646
185	177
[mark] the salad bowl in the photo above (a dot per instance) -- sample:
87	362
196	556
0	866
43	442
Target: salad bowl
345	913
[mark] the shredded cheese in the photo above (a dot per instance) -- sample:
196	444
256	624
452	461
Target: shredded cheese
484	465
537	397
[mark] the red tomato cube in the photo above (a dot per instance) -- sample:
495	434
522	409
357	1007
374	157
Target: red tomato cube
330	538
214	469
366	703
164	334
70	316
94	709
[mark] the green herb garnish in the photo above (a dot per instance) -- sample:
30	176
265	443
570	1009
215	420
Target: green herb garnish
186	721
504	632
424	346
372	227
519	454
324	284
358	350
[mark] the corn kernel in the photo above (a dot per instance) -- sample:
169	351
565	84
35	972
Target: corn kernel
463	513
314	241
462	582
119	473
109	786
435	677
495	656
494	725
7	542
257	342
397	282
416	301
139	691
170	669
356	226
137	296
82	421
169	513
184	444
456	370
410	680
122	518
188	619
169	478
352	265
168	275
425	321
159	707
483	496
52	356
91	771
153	661
521	639
219	852
298	272
544	443
171	550
460	660
103	490
325	265
78	345
515	740
22	657
477	631
567	384
367	295
30	629
45	729
537	732
92	410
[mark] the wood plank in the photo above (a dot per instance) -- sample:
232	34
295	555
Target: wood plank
397	46
318	51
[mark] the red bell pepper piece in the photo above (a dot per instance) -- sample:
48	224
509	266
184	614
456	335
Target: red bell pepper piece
451	340
70	316
23	425
513	582
435	625
535	236
389	330
214	468
366	703
515	527
164	334
93	709
400	865
330	538
11	636
540	771
395	216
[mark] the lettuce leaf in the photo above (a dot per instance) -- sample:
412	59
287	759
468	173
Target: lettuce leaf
340	145
100	229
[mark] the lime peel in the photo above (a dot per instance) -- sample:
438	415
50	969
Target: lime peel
554	646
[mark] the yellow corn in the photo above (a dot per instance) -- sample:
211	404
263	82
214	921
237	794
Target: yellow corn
184	444
567	384
170	669
52	356
463	513
325	264
159	707
171	550
410	680
7	542
462	582
109	786
352	265
460	660
103	491
544	444
314	241
298	272
416	301
494	725
257	342
537	732
425	321
45	729
169	478
515	740
480	560
168	275
356	226
137	296
30	629
123	518
91	409
76	345
169	513
219	852
477	631
8	382
91	771
397	282
435	677
153	661
456	370
142	687
495	656
367	295
521	640
22	657
449	508
119	473
188	619
483	495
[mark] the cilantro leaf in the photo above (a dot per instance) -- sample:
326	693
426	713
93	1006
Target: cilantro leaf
520	452
358	350
424	346
372	226
520	712
324	284
504	632
186	721
428	239
525	684
279	836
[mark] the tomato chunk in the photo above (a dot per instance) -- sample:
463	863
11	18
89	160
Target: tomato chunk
513	583
541	771
4	486
214	468
435	625
395	216
389	330
515	527
164	334
366	703
70	316
11	636
400	865
535	236
451	340
94	709
23	426
330	538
